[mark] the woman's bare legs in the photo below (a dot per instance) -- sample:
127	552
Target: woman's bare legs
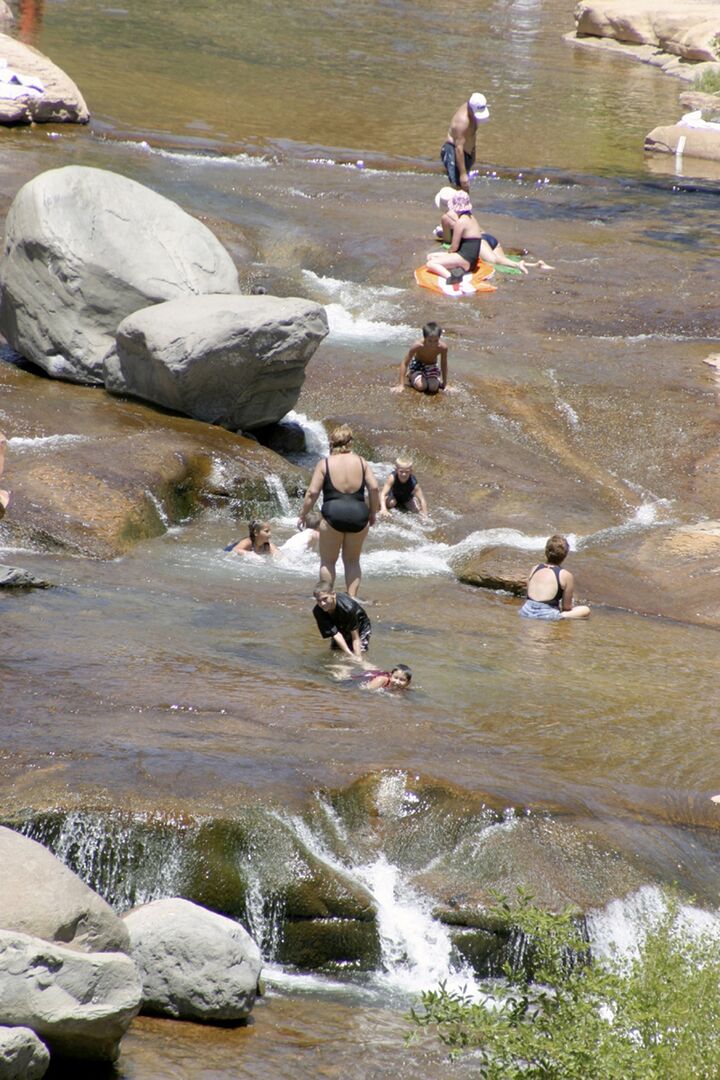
498	256
329	544
351	548
442	262
580	611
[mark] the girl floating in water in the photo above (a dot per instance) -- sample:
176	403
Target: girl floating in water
397	679
257	543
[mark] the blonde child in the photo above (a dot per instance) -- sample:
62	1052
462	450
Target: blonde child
402	491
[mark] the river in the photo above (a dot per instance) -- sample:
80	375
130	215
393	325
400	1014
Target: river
178	687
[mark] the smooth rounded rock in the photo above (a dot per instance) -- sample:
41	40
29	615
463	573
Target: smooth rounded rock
80	1004
23	1056
193	963
237	361
58	101
84	248
39	895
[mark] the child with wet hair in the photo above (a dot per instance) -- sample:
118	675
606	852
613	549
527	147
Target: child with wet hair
342	619
305	540
397	679
258	541
402	491
419	368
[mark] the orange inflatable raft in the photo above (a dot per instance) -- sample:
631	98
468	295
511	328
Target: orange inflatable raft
471	283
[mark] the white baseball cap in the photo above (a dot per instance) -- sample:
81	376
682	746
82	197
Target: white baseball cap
479	106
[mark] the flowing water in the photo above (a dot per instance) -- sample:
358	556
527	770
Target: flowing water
151	699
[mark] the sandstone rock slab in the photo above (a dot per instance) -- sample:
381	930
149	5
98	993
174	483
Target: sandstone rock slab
503	568
84	248
60	100
23	1056
193	963
80	1004
699	142
689	30
40	896
238	361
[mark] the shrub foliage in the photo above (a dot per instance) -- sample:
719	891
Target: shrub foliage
652	1017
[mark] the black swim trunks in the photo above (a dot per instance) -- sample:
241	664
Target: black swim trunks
470	251
347	512
490	240
447	156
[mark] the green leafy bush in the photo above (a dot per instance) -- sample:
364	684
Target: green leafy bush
708	81
655	1017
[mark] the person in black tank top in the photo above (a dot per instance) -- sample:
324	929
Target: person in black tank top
540	603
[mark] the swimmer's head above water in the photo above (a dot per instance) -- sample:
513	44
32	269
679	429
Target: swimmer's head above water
432	330
260	533
341	439
325	596
400	677
556	549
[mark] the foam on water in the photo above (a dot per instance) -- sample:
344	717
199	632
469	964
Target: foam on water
43	442
316	438
348	327
619	929
188	157
359	311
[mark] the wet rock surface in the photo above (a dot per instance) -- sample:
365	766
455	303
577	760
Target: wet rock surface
13	577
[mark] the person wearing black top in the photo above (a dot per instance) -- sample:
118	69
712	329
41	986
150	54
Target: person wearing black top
341	618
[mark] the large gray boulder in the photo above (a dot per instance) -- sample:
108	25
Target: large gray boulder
80	1004
238	361
33	89
84	248
39	895
22	1055
194	964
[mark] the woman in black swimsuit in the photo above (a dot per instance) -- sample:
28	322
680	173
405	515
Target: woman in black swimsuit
469	244
343	479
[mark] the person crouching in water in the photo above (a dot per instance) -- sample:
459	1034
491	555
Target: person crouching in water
419	368
402	490
342	619
550	589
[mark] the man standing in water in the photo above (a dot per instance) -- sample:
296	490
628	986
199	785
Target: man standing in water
458	152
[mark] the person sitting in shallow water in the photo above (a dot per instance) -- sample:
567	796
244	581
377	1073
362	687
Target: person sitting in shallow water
550	589
257	543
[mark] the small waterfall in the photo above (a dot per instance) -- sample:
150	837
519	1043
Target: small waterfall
316	440
160	509
122	860
278	493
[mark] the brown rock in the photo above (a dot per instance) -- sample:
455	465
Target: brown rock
699	143
689	30
61	101
99	497
503	568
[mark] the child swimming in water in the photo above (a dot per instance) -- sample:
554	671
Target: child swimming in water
305	540
419	369
397	679
402	490
257	543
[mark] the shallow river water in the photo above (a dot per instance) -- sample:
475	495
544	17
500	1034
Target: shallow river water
183	682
